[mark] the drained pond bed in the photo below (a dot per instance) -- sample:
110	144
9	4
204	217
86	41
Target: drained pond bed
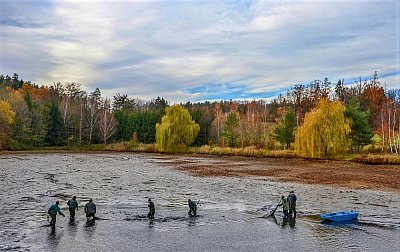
230	214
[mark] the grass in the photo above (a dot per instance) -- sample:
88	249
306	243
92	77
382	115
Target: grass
247	152
377	159
131	147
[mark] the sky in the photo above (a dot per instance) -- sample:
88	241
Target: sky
187	50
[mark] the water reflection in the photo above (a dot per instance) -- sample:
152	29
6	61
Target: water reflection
89	229
151	223
90	223
291	221
53	238
192	220
284	221
339	223
72	228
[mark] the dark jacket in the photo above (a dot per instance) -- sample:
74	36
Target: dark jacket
90	208
292	200
151	206
72	204
192	205
54	209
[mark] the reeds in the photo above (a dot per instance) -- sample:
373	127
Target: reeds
251	151
377	159
130	146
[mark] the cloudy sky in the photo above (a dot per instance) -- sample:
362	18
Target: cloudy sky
191	50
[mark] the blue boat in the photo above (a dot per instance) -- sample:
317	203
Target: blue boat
340	216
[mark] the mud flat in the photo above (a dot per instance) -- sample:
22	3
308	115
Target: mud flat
333	173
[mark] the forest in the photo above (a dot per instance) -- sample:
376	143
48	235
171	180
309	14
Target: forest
319	119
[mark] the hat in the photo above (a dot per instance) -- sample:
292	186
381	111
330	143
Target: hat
57	202
149	199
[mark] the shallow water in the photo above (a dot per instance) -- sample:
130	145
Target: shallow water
229	218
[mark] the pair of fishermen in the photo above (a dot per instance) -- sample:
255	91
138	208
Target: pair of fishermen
289	205
152	209
90	210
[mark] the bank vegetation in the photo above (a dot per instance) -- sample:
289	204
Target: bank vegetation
357	121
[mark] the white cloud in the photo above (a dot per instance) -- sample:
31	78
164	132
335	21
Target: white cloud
163	48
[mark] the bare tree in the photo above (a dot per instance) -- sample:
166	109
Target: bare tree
94	101
71	97
107	121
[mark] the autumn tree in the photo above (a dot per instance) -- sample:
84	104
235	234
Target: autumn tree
38	113
22	127
216	125
7	116
324	131
391	126
176	130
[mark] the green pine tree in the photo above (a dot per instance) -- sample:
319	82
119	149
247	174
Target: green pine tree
361	133
284	133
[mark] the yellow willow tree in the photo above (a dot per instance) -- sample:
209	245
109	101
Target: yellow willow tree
324	131
7	116
176	131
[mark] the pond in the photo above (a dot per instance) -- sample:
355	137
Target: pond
230	213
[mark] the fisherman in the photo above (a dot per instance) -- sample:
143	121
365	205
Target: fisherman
53	210
192	207
72	206
292	204
285	206
152	209
90	209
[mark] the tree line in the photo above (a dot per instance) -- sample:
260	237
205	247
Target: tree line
317	119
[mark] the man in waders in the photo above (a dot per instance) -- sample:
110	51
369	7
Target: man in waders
192	207
72	206
152	210
285	206
292	204
53	210
90	209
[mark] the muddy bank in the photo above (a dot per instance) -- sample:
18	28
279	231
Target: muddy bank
323	172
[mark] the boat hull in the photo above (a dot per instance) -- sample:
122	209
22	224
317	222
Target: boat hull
340	216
